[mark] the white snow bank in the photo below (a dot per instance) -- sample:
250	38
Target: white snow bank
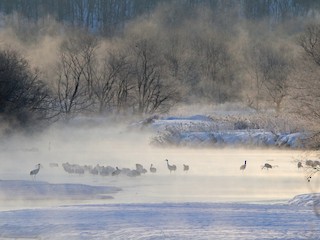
294	140
200	130
306	200
191	118
162	221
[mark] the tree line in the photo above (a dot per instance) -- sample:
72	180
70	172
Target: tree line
155	65
108	17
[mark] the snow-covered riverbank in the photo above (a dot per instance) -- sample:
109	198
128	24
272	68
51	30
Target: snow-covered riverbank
162	221
203	131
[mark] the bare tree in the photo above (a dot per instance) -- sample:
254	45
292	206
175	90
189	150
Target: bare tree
24	97
254	93
179	64
152	91
215	66
124	85
268	69
75	74
310	42
306	89
308	78
275	67
110	84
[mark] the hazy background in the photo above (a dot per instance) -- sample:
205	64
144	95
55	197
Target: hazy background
214	174
87	58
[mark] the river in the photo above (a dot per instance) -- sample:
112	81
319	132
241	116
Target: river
214	174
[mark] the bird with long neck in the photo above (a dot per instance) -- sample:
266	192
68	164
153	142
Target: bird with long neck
243	167
171	167
34	172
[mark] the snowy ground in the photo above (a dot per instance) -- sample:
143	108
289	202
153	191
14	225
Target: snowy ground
204	131
213	200
162	221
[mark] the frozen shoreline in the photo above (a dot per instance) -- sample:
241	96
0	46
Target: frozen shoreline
162	221
203	131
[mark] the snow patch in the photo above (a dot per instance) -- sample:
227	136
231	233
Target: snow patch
305	200
201	130
191	118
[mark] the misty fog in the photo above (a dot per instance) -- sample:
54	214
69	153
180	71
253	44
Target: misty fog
186	58
196	56
214	174
164	119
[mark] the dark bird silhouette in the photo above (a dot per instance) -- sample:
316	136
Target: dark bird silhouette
171	167
153	169
267	166
116	172
243	167
185	167
140	168
34	172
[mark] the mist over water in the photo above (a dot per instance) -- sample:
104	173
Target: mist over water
214	174
210	64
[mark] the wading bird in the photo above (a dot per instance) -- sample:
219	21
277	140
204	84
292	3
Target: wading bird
152	169
140	168
171	167
267	166
116	172
185	167
243	167
34	172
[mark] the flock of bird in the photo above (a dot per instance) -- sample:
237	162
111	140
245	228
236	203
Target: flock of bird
312	166
108	170
265	166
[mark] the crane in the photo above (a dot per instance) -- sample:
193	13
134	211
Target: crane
116	172
243	167
267	166
171	167
152	169
140	168
185	167
34	172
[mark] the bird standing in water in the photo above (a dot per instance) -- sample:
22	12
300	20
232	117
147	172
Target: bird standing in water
152	169
185	167
267	166
171	167
34	172
243	167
